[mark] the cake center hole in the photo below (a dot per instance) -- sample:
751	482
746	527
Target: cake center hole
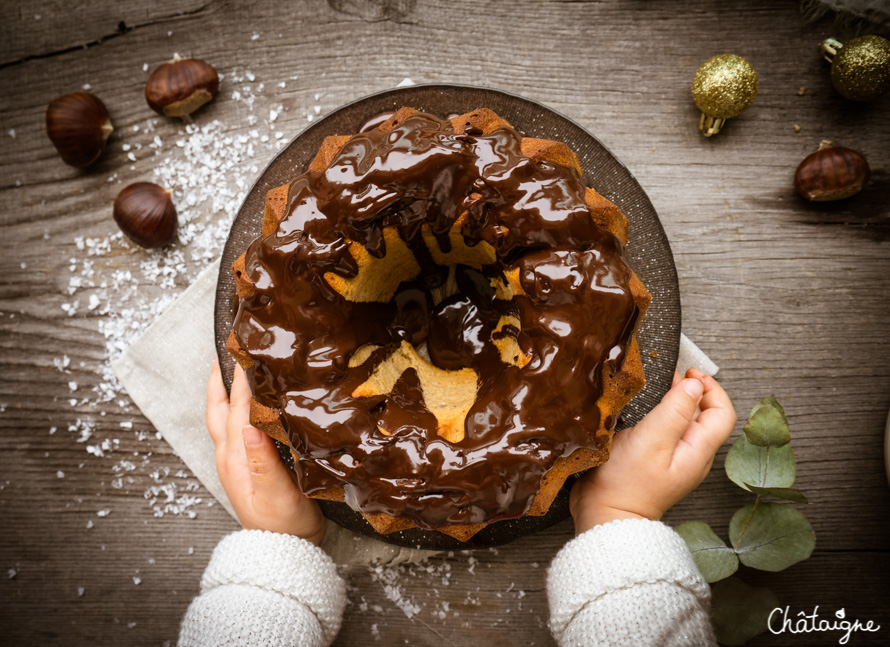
452	323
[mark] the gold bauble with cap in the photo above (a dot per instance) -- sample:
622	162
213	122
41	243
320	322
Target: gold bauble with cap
723	87
860	68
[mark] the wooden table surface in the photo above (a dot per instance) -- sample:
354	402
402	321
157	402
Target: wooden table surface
788	298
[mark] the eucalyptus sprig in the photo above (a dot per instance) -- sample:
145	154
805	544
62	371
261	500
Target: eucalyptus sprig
765	535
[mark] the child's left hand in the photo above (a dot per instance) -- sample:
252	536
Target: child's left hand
263	491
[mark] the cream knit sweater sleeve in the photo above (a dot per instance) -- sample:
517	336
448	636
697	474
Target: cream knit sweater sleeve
264	588
628	583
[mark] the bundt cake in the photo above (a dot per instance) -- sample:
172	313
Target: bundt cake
439	320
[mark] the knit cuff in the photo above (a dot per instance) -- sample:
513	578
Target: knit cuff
284	564
615	556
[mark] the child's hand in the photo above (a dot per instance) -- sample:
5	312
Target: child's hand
661	460
263	491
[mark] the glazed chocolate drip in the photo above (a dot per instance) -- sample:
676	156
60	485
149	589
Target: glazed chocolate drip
374	122
577	315
461	325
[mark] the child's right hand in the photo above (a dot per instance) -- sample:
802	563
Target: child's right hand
658	462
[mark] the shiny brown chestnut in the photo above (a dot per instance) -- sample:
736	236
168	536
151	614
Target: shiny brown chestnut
145	213
78	126
831	173
180	87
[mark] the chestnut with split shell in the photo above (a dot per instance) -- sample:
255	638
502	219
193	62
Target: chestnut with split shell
180	87
831	173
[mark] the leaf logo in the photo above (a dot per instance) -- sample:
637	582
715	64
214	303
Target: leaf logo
840	614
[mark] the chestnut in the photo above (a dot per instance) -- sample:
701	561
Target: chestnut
78	126
180	87
145	213
831	173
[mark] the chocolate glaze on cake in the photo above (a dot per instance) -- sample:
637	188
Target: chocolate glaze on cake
576	315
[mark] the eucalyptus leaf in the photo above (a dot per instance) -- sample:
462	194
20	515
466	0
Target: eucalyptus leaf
787	493
765	467
712	556
740	612
771	400
767	426
771	536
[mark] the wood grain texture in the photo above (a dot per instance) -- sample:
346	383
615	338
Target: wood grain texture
788	298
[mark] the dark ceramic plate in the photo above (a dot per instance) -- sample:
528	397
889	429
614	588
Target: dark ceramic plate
648	249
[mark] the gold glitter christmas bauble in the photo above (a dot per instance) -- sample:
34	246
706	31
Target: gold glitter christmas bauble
723	87
861	68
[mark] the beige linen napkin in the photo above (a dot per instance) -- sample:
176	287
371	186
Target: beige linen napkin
165	373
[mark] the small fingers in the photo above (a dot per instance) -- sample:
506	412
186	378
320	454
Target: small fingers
239	407
668	421
217	405
711	429
716	421
271	478
714	395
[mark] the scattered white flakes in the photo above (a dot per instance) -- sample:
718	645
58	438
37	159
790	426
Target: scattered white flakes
83	427
131	625
388	579
209	166
405	83
103	513
72	386
472	568
318	96
172	497
80	591
255	37
24	265
12	573
310	117
53	430
11	131
191	550
60	474
317	109
169	33
89	524
87	86
137	580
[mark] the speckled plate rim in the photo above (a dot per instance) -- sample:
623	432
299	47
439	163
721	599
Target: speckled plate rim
649	253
